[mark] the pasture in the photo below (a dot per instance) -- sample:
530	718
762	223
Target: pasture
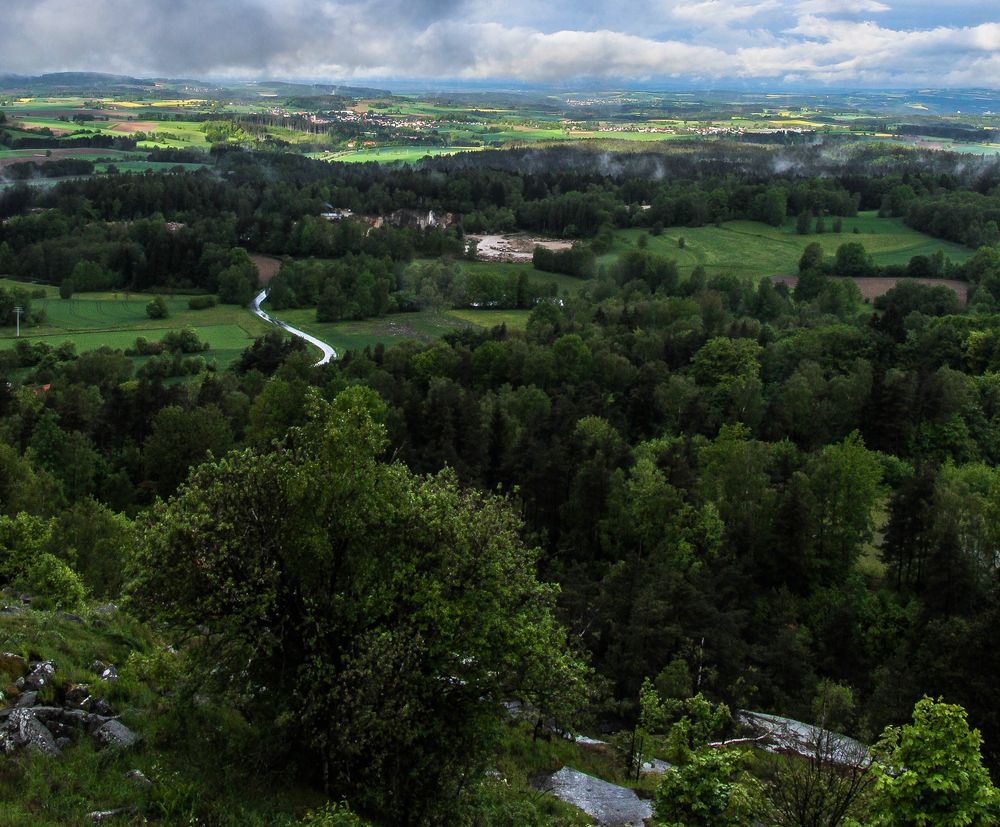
391	154
390	330
754	250
93	320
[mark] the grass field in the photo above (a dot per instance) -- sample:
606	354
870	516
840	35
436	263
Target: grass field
568	285
389	154
399	327
93	320
753	250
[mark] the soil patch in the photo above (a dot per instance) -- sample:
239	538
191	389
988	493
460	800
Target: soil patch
267	267
872	288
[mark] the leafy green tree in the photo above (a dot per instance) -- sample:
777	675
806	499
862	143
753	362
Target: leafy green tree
371	617
180	439
853	260
932	774
713	789
157	308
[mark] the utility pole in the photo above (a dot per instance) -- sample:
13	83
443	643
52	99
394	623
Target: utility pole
17	312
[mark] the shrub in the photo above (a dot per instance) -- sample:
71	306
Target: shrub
202	302
157	308
53	583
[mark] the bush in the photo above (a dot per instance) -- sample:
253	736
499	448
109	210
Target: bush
202	302
54	584
157	308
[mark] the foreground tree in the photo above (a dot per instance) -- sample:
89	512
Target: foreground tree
374	618
933	775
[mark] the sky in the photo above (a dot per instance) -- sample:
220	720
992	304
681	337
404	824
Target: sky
622	43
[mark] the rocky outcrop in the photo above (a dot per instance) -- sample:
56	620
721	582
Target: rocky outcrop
48	729
608	804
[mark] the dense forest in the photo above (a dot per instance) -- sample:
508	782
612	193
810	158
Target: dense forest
745	493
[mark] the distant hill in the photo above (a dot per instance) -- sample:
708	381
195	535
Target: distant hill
85	82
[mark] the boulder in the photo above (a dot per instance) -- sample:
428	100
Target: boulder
41	674
27	699
115	734
30	732
138	778
109	673
78	695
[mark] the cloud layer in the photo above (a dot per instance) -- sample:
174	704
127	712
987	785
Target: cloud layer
836	42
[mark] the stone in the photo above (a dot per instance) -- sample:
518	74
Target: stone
27	699
101	816
139	779
63	742
41	674
77	695
69	617
105	610
608	804
109	673
97	667
31	733
115	734
99	706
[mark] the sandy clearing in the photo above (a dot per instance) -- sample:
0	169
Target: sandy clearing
513	248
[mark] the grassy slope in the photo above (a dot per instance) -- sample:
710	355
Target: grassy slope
187	750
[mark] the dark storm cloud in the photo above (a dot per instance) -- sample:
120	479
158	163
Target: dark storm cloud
831	41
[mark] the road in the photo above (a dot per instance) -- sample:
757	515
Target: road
328	352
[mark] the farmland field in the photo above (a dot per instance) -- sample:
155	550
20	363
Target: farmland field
389	154
93	320
754	250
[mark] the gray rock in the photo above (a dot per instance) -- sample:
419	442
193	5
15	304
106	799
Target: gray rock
109	673
27	699
7	743
608	804
70	618
41	674
30	732
78	695
63	742
11	610
138	778
99	706
102	816
115	734
105	610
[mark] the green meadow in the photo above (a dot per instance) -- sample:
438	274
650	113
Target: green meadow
390	154
754	250
93	320
390	330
